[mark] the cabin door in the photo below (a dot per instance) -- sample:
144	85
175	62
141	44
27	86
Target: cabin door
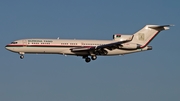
24	42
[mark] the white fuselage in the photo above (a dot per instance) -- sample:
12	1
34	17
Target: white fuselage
62	46
120	45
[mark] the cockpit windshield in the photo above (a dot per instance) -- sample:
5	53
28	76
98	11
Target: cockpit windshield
118	36
13	42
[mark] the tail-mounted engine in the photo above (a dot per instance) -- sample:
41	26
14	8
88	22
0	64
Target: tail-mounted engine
129	46
119	37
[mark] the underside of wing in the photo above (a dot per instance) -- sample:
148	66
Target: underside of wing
78	49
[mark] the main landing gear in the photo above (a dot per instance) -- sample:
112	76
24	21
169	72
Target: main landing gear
94	57
87	59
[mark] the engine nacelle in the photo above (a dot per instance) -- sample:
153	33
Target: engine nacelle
119	37
129	46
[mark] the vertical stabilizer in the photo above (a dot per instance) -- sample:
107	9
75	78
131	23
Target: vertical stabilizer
146	34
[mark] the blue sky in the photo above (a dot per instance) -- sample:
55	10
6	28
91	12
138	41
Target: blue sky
146	76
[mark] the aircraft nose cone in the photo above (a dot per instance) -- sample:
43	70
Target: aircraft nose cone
7	47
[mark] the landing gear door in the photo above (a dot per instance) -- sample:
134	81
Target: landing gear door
24	42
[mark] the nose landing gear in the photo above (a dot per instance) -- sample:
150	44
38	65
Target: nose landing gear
22	56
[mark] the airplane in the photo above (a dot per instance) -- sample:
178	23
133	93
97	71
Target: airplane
90	49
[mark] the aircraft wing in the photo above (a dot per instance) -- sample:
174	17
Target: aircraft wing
109	46
80	49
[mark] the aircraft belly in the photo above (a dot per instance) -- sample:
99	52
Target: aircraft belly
44	50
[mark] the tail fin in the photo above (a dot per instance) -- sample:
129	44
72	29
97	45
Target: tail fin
146	34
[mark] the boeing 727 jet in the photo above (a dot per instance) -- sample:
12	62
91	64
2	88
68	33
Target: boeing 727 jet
89	49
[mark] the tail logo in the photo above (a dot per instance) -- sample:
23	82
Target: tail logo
141	36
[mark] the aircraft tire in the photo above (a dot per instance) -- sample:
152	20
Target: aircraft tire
22	56
94	57
87	59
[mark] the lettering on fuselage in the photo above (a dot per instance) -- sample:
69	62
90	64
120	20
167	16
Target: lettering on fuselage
48	41
39	41
35	41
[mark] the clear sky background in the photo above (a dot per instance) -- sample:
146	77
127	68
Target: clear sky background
145	76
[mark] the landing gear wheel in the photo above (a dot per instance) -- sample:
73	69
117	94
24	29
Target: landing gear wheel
87	59
94	57
22	56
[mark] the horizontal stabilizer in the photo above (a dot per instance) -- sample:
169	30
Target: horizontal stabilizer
164	27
